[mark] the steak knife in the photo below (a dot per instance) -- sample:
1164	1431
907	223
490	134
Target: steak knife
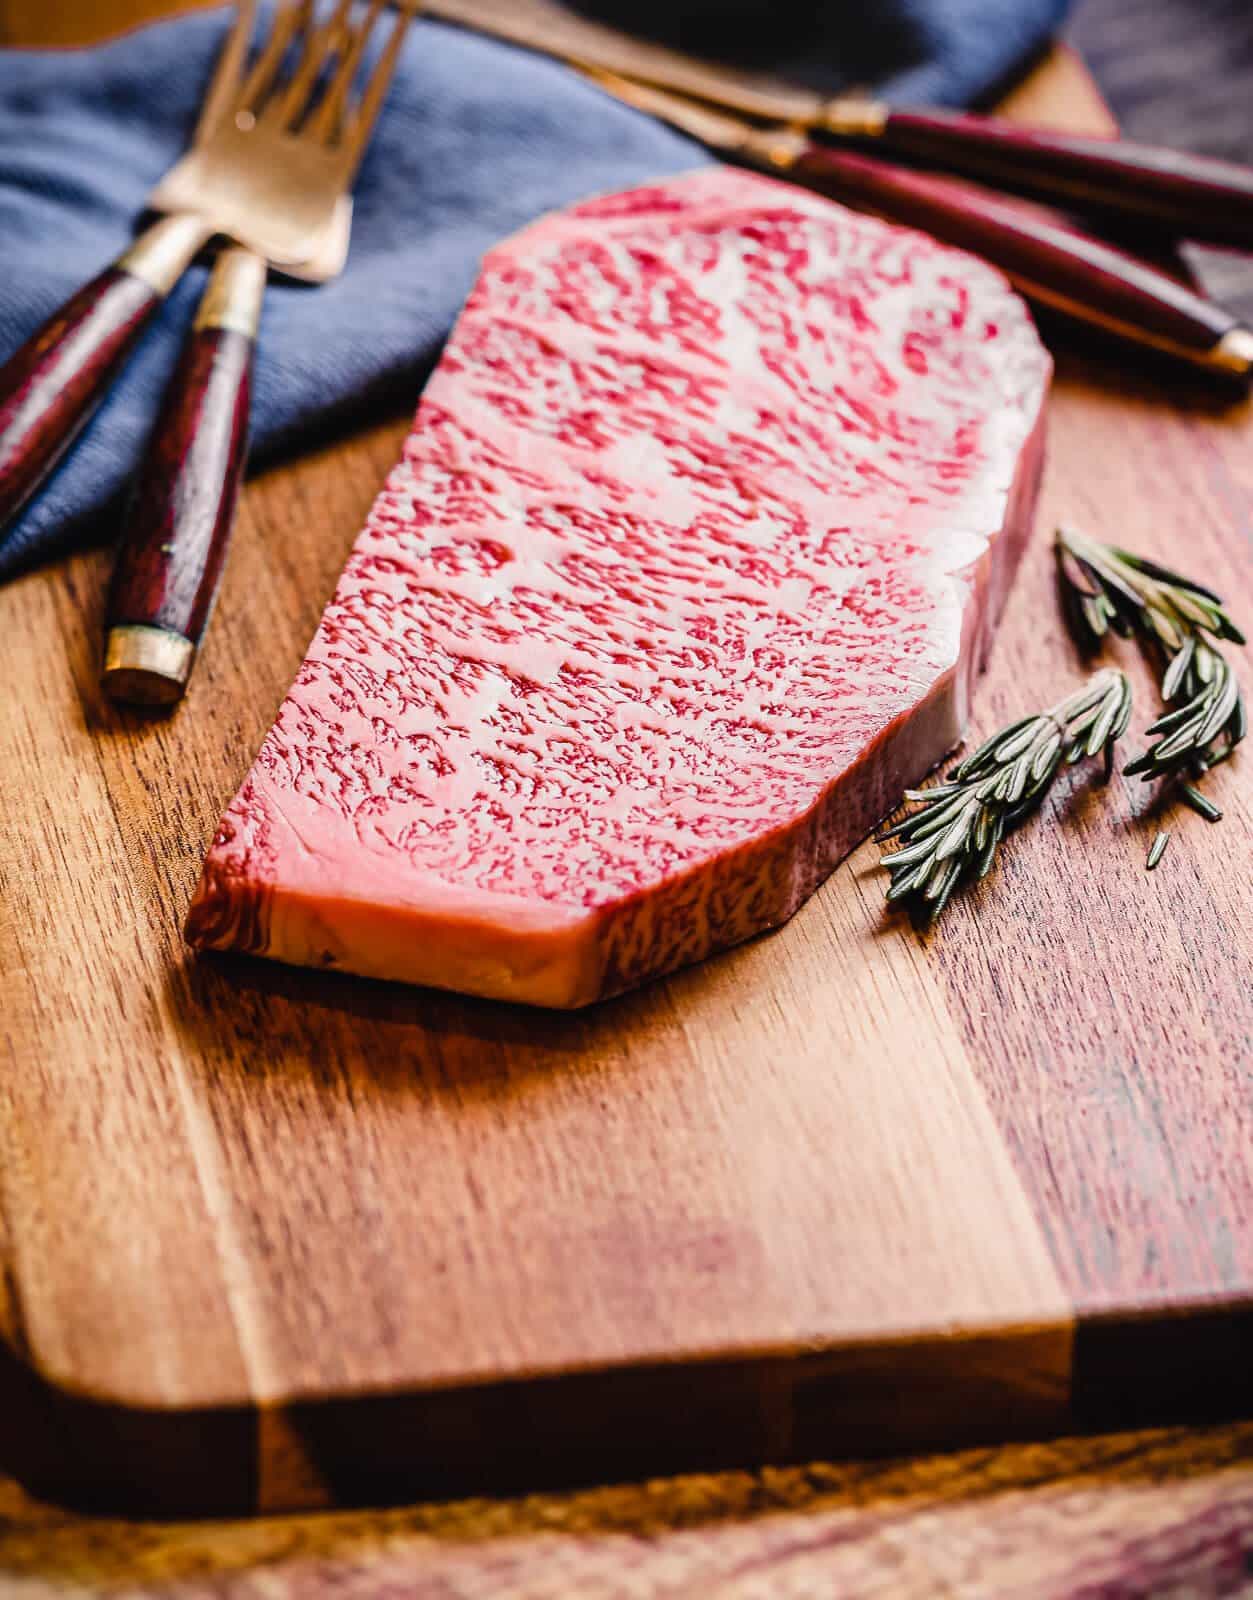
1048	261
1115	180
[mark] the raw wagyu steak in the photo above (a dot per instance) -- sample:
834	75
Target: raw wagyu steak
691	557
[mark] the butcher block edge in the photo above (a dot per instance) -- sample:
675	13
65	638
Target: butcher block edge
541	1429
565	1428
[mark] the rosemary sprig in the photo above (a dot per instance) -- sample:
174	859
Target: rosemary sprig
1206	727
1200	803
1107	589
953	837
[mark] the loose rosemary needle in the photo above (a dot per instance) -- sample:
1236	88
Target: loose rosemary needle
953	836
1200	803
1105	588
1157	849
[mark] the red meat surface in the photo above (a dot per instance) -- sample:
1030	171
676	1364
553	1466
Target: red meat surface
692	554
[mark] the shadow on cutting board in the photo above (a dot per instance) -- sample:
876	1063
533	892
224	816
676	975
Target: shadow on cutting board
460	1044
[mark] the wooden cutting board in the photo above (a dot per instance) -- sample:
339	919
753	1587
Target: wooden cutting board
273	1238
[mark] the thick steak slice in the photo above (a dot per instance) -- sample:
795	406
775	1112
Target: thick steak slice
692	555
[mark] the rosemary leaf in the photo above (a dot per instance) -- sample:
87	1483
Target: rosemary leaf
1164	627
1099	736
953	837
1163	574
1157	848
940	883
956	834
1182	739
922	824
1138	764
923	850
1180	622
1017	779
1046	757
1010	748
907	883
1172	719
1180	663
1224	704
941	899
985	752
1197	612
1096	615
1081	724
1200	803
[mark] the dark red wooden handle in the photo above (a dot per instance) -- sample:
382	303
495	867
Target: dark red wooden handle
50	387
1047	260
179	522
1192	196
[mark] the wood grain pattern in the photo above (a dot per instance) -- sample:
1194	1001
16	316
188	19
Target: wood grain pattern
1136	1516
1117	1038
272	1238
52	385
178	525
1196	196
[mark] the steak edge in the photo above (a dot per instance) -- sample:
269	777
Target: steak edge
695	547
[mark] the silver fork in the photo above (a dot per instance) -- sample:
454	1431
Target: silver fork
275	166
273	156
280	149
52	384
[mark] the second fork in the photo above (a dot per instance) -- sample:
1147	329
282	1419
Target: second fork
175	534
272	160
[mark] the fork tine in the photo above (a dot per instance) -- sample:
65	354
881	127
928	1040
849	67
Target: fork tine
357	132
325	120
288	104
287	22
226	75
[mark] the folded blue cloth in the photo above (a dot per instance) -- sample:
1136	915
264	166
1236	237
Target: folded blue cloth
476	139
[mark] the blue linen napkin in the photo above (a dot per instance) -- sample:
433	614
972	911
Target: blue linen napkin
477	139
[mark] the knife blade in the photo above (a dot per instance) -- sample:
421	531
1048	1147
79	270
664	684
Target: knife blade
551	29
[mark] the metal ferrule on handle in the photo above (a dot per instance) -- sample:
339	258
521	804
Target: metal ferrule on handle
163	252
233	295
52	385
174	542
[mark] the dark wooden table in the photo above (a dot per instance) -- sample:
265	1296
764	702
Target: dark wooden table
1164	1512
1124	1516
